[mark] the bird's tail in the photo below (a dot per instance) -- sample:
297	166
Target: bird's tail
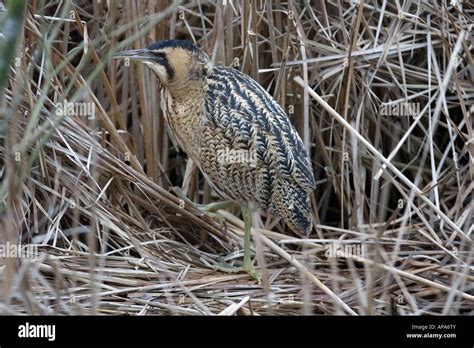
292	203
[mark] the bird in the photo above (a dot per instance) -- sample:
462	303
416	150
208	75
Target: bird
234	130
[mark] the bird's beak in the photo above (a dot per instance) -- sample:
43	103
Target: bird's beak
141	54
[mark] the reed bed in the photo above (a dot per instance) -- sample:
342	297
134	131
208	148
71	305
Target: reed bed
381	92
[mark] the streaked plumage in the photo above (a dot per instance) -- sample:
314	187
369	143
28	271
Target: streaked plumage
216	114
242	115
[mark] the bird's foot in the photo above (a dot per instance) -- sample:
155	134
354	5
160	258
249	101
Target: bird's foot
212	214
251	271
223	267
254	274
214	207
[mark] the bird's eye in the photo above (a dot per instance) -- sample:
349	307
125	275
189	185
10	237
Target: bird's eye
160	54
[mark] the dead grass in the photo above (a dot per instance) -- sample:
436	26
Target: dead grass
97	195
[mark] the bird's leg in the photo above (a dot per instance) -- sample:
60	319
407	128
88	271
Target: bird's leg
247	217
208	209
214	207
248	266
211	211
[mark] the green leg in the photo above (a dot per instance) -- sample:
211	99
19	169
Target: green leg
211	211
248	266
247	216
213	207
210	208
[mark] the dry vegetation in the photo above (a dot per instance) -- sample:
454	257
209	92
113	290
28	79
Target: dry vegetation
396	187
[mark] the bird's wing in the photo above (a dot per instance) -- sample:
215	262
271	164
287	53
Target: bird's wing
246	113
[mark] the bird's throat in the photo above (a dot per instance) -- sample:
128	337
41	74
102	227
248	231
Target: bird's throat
188	92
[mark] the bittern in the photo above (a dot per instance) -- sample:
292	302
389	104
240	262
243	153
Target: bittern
236	133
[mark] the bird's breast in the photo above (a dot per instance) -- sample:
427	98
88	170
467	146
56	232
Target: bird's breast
186	121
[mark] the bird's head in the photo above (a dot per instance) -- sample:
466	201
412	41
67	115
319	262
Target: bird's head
172	61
